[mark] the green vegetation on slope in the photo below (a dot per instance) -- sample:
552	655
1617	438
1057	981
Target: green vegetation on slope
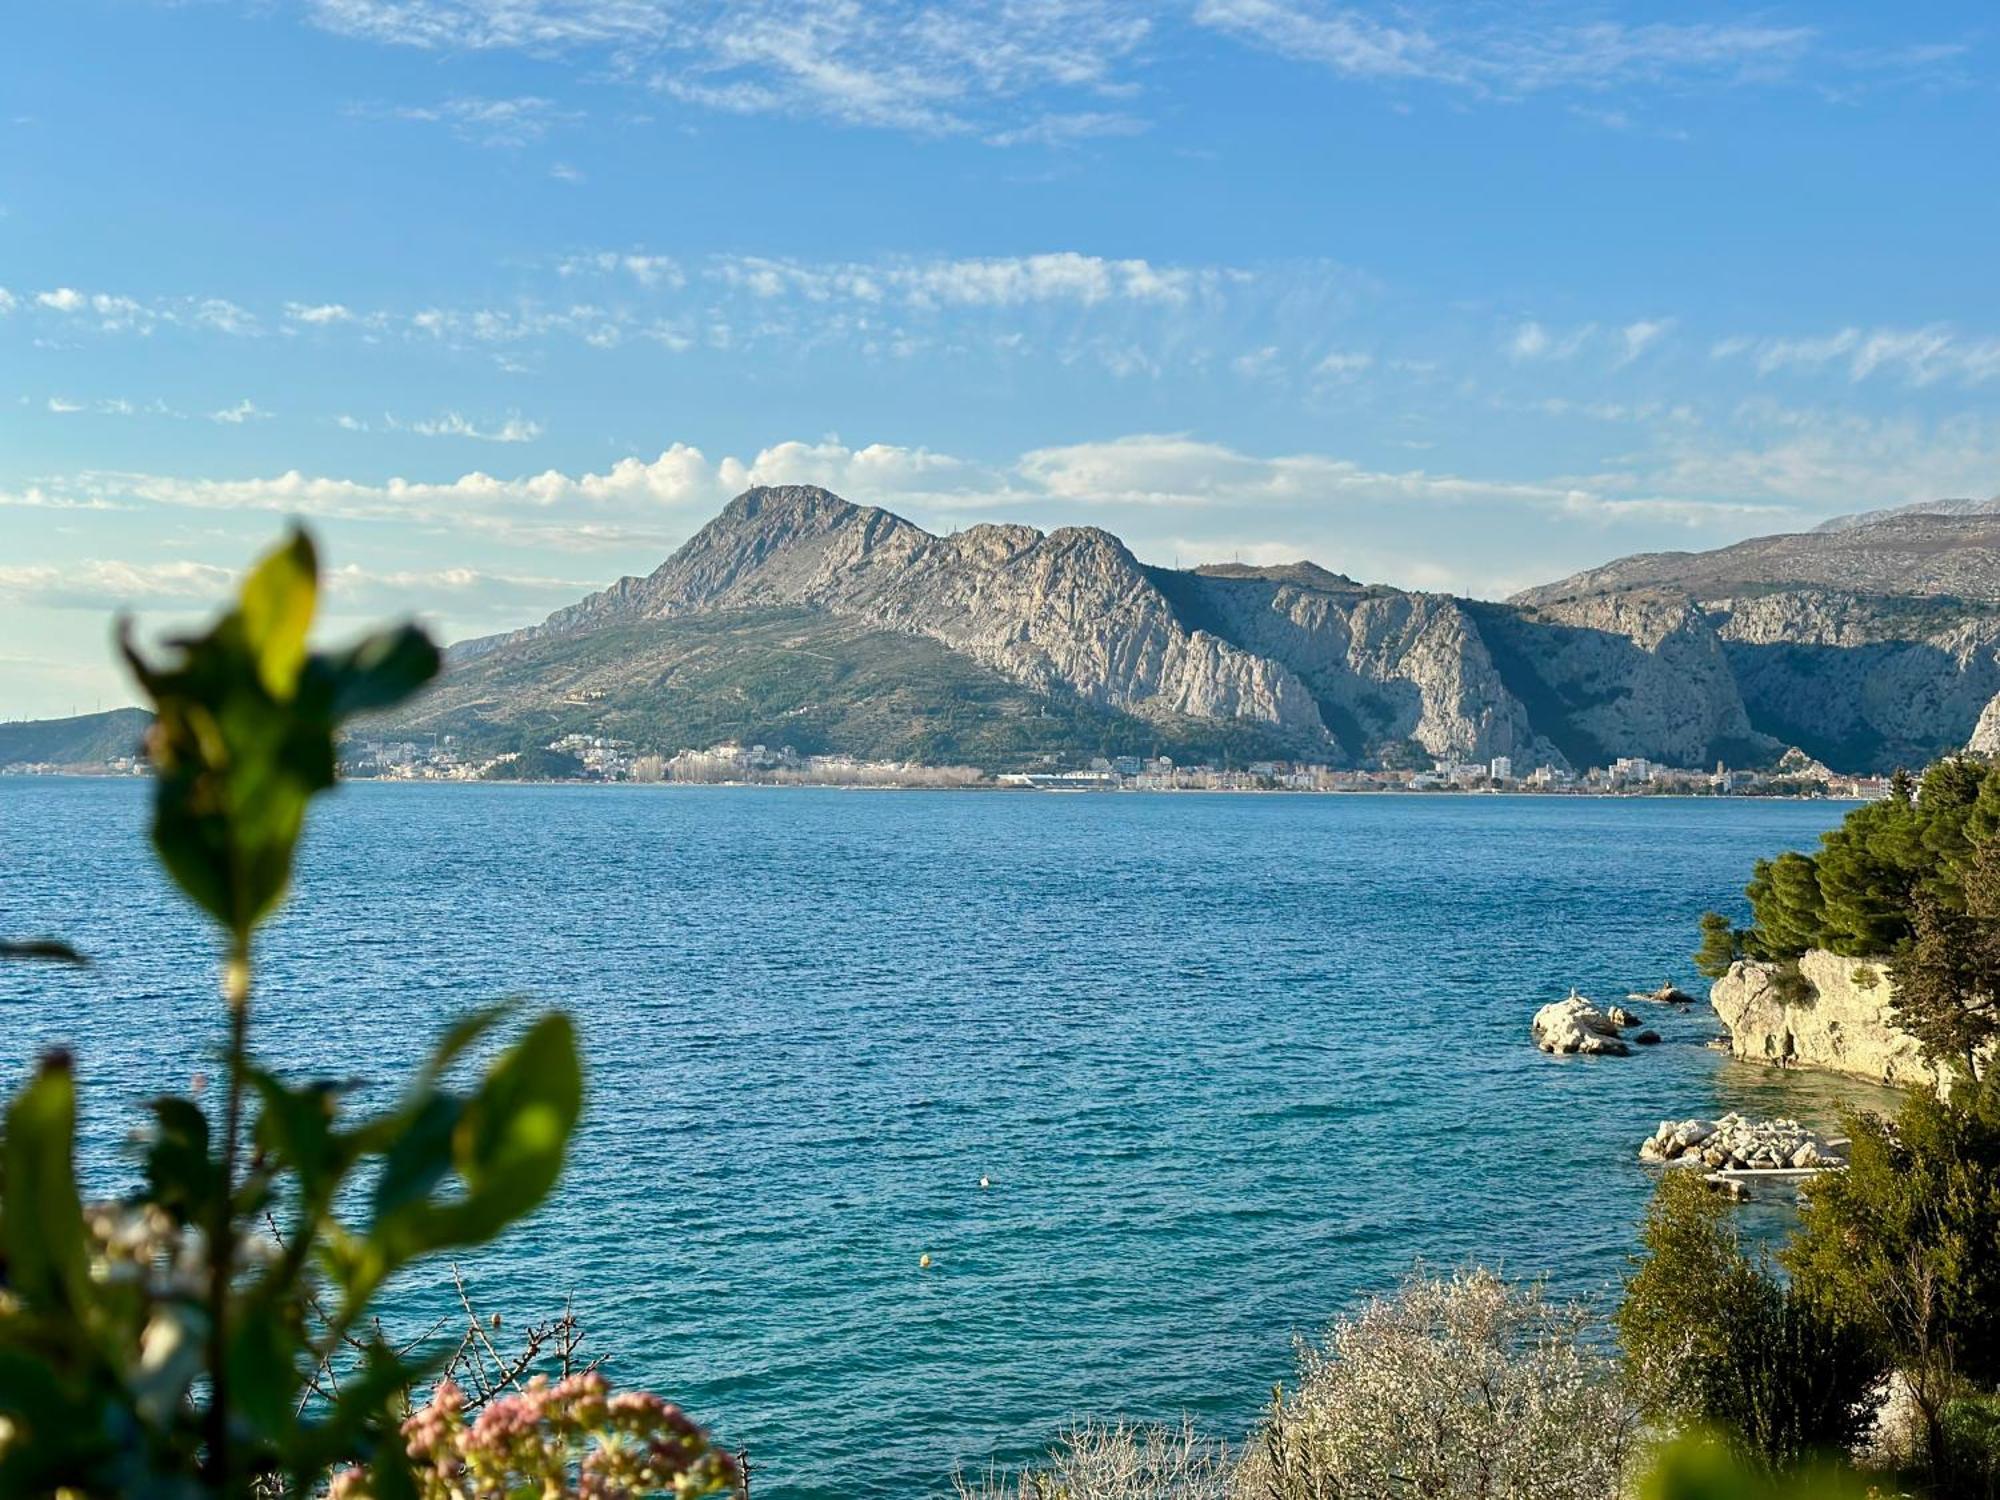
88	739
793	677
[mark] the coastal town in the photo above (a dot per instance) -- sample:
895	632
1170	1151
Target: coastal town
598	758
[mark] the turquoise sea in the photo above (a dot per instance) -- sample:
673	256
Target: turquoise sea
1228	1062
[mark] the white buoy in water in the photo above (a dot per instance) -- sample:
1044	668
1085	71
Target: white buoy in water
984	1183
924	1262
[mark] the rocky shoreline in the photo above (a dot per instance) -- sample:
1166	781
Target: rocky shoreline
1735	1143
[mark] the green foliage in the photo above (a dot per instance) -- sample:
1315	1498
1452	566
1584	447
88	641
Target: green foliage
164	1345
1721	945
1785	895
1712	1339
1707	1469
537	763
1948	975
1906	1244
243	733
1971	1430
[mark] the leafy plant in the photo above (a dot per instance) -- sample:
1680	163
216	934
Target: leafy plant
1713	1340
1906	1244
169	1344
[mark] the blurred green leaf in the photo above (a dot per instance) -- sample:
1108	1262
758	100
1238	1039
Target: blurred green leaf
47	950
278	600
506	1145
179	1174
41	1221
377	672
296	1125
244	729
1704	1469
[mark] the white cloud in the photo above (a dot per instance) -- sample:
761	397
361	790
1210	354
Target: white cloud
62	405
7	302
243	411
976	65
991	281
108	585
64	299
1638	337
1513	56
1344	365
1533	341
319	314
515	429
1918	356
649	271
515	122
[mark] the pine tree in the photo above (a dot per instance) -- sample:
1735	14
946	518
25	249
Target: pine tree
1947	976
1721	945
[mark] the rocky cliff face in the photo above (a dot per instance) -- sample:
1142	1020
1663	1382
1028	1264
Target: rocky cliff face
1640	674
1871	642
1844	1028
1577	674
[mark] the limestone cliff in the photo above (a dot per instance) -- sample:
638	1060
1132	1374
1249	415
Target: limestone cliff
1844	1027
1736	665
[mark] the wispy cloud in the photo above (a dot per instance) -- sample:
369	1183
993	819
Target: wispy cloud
243	411
515	429
977	66
1918	356
1516	55
514	122
1534	341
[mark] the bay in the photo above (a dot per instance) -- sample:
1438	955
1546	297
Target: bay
1227	1062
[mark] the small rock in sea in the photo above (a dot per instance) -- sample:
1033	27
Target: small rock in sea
1667	994
1647	1038
1620	1016
1576	1025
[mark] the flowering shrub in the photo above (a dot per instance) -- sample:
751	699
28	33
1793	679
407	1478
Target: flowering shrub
1470	1388
1115	1461
573	1437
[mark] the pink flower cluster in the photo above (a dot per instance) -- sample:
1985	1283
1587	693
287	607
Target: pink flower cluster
573	1438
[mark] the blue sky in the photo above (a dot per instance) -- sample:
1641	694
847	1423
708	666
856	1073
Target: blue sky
508	296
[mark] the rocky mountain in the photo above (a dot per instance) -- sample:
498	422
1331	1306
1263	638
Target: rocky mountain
797	618
1871	641
1288	660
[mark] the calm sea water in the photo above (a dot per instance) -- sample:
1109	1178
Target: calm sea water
1228	1062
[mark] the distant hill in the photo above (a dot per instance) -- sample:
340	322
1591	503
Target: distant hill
88	739
1951	551
1871	641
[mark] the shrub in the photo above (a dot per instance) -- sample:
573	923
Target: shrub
1970	1426
1713	1339
1906	1244
1117	1461
1451	1389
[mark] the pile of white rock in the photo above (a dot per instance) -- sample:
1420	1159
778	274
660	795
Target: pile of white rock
1734	1143
1575	1024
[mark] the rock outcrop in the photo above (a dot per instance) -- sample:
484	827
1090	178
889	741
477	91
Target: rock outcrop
1844	1026
1736	1144
1575	1025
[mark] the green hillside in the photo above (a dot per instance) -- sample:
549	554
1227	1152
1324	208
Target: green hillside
86	740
